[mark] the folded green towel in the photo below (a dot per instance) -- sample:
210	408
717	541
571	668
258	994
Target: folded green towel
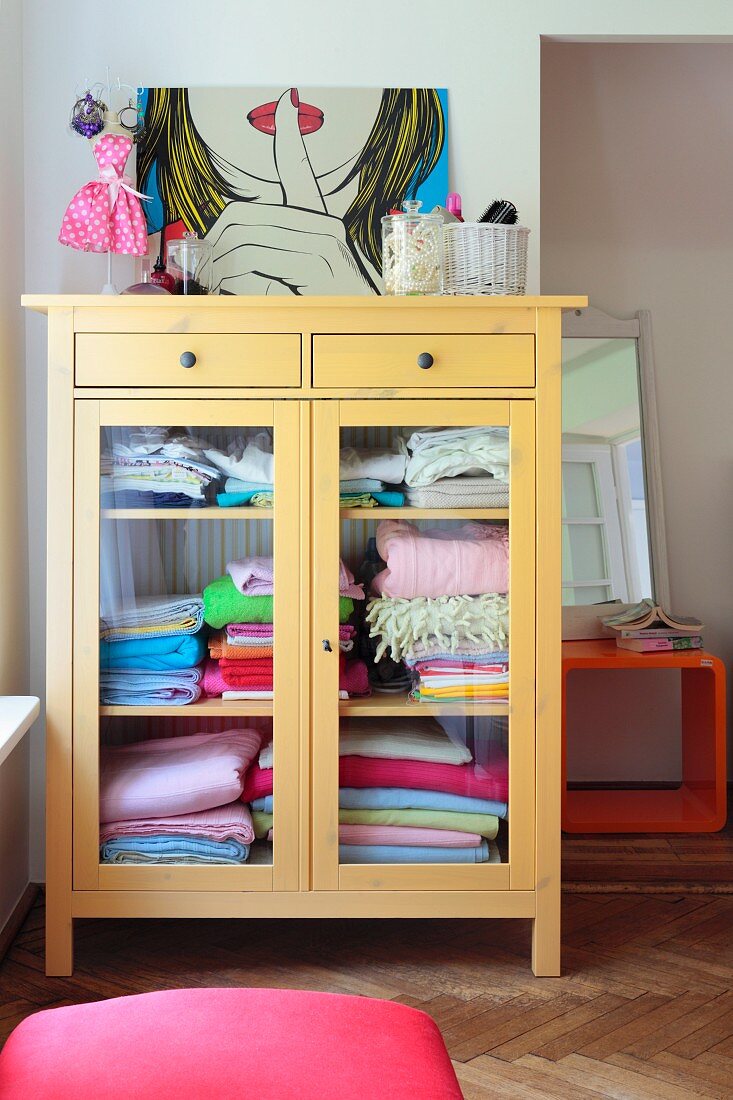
485	824
262	824
224	604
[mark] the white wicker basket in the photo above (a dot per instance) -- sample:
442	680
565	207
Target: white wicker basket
484	258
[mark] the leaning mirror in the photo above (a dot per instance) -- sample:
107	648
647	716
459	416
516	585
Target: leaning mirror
613	546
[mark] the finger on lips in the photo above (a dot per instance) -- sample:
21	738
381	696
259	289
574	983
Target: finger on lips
298	181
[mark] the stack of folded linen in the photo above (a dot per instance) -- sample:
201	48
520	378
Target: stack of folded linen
442	608
455	646
152	652
249	466
458	468
237	493
240	664
177	799
368	477
410	794
154	467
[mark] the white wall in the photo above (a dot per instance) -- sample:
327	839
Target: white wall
486	54
637	178
14	773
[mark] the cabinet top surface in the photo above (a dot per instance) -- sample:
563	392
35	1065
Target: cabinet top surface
41	303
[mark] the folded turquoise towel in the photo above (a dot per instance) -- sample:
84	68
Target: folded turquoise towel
390	499
387	853
154	654
172	849
236	485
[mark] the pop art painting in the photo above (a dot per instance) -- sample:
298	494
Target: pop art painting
290	184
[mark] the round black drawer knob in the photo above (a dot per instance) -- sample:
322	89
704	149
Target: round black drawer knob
188	359
425	360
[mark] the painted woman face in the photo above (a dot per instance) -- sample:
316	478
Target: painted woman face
335	124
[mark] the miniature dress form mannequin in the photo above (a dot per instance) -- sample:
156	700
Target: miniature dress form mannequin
106	214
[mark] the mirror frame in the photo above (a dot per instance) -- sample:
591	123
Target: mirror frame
591	323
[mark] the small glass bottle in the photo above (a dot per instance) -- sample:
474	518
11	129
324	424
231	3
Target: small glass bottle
190	263
412	251
160	276
146	284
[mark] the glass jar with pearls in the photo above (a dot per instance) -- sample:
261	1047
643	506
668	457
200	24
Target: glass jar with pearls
412	251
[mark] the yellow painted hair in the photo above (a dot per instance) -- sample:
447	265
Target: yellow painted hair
402	149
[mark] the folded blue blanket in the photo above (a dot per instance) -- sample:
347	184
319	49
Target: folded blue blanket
263	805
399	798
174	651
131	689
386	853
172	849
136	498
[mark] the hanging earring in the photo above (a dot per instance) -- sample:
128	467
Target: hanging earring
136	128
87	116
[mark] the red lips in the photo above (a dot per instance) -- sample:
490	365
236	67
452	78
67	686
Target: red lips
310	118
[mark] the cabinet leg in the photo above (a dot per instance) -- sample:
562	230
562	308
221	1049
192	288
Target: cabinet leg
546	935
59	939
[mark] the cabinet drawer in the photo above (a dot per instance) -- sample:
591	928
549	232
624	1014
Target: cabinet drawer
451	361
221	359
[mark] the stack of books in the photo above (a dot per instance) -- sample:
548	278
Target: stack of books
648	628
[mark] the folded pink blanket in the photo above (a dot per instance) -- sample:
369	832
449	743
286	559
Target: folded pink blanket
255	577
252	576
174	775
257	783
230	822
464	561
423	775
250	630
407	835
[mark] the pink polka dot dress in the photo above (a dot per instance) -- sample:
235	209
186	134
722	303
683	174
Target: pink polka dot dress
106	215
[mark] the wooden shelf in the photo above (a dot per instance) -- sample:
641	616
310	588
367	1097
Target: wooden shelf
391	705
424	513
211	708
186	513
374	705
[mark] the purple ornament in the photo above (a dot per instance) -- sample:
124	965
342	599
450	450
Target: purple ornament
87	116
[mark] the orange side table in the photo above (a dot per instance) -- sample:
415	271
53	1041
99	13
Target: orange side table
698	805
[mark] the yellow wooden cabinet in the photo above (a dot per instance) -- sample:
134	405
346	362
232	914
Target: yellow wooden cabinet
318	374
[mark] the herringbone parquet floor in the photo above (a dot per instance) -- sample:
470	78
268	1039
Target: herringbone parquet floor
644	1009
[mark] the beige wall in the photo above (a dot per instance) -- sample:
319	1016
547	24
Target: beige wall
637	183
13	550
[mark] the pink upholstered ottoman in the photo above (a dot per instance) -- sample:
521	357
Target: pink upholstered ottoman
216	1044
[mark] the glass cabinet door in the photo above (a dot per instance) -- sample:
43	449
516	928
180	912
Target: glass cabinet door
424	650
186	677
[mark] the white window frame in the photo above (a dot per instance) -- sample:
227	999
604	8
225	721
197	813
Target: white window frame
599	458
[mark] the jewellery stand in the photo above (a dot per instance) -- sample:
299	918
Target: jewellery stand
109	287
